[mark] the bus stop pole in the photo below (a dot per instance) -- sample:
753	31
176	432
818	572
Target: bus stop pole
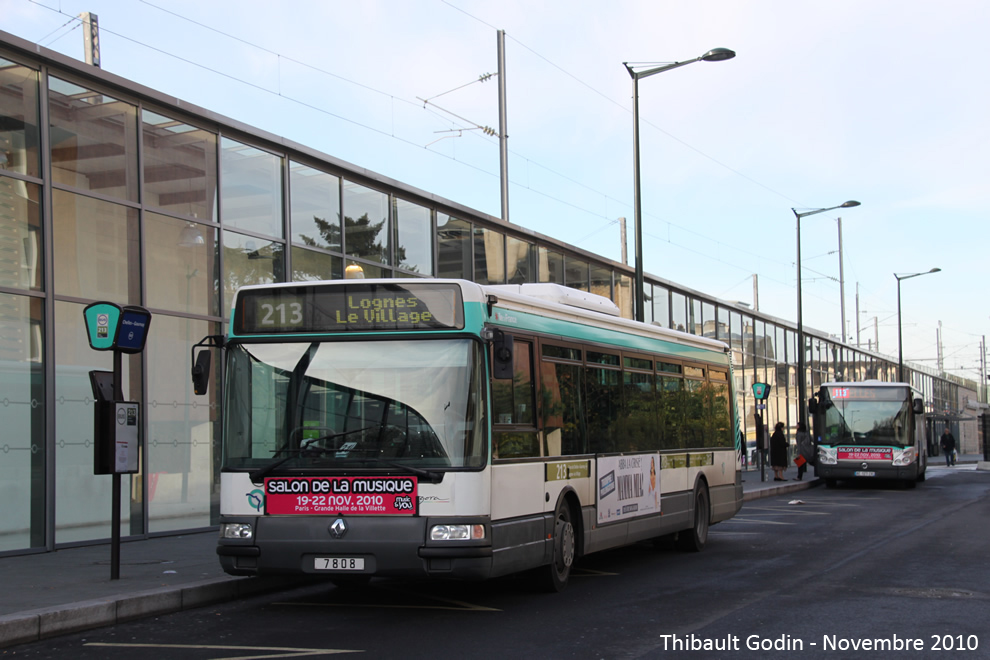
118	395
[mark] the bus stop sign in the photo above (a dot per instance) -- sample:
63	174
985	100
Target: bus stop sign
102	320
761	391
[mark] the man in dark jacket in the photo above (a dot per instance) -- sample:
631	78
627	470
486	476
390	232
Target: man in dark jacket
948	445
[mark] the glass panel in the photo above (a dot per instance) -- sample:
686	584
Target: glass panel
20	234
667	367
661	306
624	296
603	387
314	203
183	257
576	274
694	316
669	409
561	352
760	343
747	337
637	363
22	391
637	429
453	248
723	325
83	511
678	311
94	140
365	222
562	409
512	398
248	260
716	425
180	167
312	266
601	281
18	119
519	256
603	358
252	189
489	256
551	266
516	444
96	249
414	243
354	270
183	460
735	331
708	320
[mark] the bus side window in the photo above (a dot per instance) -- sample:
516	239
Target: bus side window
513	404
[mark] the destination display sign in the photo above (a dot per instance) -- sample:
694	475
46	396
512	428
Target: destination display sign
336	495
864	453
868	393
350	307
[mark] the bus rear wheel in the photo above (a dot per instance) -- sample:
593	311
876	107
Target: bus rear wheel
694	539
558	573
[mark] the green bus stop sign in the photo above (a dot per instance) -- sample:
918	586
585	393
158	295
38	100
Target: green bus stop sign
102	319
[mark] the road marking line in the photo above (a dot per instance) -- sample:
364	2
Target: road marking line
287	652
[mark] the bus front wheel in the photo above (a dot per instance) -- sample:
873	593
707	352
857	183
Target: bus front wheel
558	573
694	539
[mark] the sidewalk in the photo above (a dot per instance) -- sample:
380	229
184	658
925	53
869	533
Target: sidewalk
54	593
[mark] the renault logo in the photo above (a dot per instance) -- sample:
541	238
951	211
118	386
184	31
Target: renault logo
865	465
338	528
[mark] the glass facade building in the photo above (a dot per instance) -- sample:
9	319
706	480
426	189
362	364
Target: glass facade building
110	191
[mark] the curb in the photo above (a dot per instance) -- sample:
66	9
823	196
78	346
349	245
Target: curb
781	490
35	625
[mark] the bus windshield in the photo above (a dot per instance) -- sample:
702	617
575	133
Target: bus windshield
355	404
868	422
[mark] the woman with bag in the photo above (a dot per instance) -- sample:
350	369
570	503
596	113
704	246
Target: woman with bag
805	449
778	452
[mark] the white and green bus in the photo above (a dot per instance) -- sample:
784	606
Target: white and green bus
444	429
869	430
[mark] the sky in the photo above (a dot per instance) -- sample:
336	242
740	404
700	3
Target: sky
880	101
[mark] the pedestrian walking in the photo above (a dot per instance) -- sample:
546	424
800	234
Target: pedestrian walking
778	452
948	444
805	449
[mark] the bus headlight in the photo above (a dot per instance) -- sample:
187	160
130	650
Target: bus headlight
827	456
236	531
904	456
457	532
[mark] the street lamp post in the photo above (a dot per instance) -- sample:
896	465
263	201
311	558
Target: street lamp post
802	390
714	55
900	346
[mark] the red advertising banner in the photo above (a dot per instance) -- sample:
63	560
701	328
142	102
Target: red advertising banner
865	453
333	495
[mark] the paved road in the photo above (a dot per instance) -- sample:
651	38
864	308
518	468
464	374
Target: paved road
857	565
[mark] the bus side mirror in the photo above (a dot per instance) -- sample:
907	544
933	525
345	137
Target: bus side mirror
201	372
813	405
918	406
502	355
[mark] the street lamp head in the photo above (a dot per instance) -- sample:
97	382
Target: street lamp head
851	203
935	270
718	54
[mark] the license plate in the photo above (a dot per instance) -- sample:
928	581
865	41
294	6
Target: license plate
864	474
340	563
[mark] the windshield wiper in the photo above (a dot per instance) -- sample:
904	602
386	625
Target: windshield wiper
264	471
433	477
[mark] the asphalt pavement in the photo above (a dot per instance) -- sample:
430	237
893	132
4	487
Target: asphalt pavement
53	593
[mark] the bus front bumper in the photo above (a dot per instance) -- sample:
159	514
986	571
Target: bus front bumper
386	546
